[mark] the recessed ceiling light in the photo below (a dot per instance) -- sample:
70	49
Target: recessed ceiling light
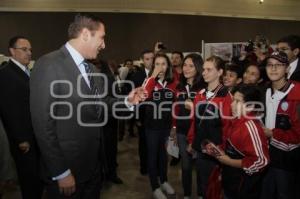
261	1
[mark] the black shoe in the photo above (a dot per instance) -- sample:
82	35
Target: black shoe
174	161
116	180
143	172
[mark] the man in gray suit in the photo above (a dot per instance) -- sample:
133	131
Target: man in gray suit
67	107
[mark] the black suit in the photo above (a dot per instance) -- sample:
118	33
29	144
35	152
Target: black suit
138	79
110	129
296	74
15	114
65	143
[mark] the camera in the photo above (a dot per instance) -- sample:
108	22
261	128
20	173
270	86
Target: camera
249	47
161	46
260	42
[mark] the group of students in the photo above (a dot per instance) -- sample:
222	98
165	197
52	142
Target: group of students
226	119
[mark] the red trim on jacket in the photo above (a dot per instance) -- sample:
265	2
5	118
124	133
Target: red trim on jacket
222	102
247	136
289	139
150	84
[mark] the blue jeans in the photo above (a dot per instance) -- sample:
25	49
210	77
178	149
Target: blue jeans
157	156
186	166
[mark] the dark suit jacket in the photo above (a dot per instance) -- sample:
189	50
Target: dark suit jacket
296	74
64	143
139	77
14	104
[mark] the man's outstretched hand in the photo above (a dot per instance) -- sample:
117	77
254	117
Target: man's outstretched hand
137	95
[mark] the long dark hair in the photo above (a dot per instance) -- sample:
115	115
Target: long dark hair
198	81
169	72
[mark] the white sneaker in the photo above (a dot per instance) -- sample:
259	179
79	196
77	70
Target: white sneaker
158	194
167	188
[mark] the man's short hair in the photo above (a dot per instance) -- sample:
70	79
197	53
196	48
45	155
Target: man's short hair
234	68
178	53
81	21
12	42
292	40
146	52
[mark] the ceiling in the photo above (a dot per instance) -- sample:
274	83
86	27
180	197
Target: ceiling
270	9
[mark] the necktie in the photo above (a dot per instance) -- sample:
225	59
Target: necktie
89	72
95	91
27	71
93	87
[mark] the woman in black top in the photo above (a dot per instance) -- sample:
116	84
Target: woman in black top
190	83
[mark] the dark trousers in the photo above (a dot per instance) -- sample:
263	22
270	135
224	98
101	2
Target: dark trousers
186	166
278	184
86	190
298	183
249	187
157	155
142	149
205	166
131	124
27	166
111	147
121	129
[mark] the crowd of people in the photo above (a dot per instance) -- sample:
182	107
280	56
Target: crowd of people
237	122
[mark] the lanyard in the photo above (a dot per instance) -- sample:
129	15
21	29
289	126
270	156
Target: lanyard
211	94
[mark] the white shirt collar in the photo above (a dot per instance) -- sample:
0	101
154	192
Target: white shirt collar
18	64
147	72
77	57
272	103
162	83
293	67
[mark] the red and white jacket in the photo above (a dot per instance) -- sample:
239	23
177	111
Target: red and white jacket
158	105
282	116
246	137
212	129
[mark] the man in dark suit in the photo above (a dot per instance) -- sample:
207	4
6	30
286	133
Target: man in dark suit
291	46
138	78
15	114
69	108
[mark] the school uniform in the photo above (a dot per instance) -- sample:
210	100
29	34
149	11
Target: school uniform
208	123
182	123
282	116
245	140
158	122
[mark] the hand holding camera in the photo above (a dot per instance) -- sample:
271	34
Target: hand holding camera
159	46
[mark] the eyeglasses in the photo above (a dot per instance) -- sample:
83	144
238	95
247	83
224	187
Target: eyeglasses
275	65
24	49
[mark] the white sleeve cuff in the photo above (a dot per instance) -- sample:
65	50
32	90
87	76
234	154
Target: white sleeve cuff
63	175
128	105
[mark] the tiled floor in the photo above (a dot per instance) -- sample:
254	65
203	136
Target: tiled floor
135	185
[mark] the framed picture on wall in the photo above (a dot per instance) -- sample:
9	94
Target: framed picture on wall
224	50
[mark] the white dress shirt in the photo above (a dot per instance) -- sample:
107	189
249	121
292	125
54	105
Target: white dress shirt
21	66
293	67
79	60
